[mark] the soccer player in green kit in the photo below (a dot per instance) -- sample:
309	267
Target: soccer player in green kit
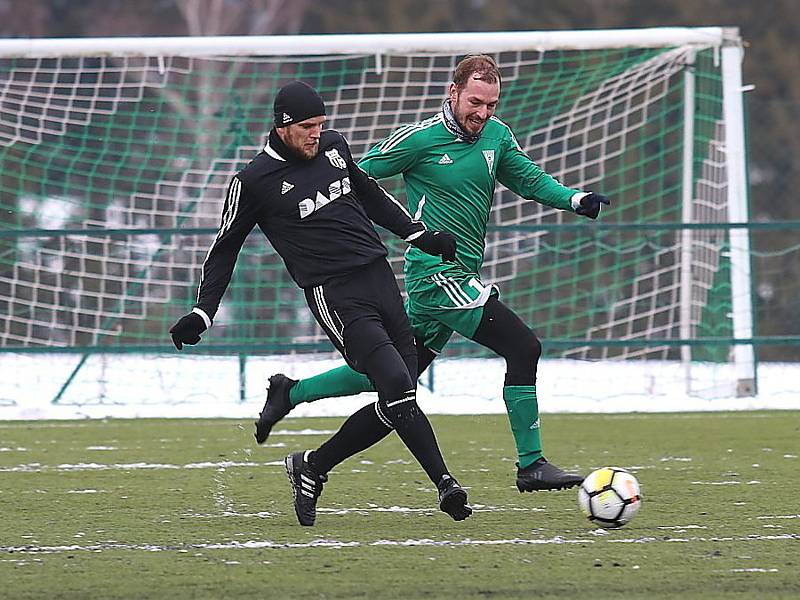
451	163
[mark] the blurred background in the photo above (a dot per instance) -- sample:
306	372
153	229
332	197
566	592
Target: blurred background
771	59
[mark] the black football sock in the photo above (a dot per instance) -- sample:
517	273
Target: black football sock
415	430
361	430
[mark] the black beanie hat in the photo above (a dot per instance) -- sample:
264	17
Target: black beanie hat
295	102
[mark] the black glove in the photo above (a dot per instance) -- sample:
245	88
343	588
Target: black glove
590	205
187	330
436	243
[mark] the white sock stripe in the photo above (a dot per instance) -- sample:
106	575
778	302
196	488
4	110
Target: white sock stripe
400	401
381	416
325	315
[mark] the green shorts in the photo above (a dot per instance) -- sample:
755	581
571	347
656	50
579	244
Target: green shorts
445	302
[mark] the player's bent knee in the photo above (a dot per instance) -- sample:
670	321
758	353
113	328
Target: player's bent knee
393	385
402	410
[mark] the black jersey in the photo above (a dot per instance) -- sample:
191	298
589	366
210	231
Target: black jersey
318	214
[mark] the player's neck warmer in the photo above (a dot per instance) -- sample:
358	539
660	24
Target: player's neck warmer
454	126
276	143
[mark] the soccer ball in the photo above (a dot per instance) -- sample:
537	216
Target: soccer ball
610	497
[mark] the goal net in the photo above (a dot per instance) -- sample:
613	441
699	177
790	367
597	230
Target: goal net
115	156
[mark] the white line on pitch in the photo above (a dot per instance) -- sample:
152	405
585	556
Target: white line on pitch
322	543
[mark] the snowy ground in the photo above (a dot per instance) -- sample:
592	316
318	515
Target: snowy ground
179	386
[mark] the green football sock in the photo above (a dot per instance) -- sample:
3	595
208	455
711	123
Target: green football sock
523	414
341	381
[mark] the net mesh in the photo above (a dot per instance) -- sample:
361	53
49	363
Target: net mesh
128	160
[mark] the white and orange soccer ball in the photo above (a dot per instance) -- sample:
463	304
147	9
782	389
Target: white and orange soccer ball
610	497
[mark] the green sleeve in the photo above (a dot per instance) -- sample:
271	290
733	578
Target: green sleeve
524	177
391	156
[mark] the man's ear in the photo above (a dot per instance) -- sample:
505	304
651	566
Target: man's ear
453	92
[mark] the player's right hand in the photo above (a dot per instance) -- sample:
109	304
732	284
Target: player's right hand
589	205
437	243
187	330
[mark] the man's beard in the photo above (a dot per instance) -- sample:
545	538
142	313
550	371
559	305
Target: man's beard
302	154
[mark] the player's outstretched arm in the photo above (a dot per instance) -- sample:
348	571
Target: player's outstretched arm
588	204
238	219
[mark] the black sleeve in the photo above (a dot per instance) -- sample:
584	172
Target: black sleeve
381	206
238	220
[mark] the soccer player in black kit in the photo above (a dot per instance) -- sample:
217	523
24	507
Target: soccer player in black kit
317	207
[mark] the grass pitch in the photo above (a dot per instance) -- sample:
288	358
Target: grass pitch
195	509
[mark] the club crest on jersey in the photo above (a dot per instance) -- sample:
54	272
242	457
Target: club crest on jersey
335	158
489	156
335	190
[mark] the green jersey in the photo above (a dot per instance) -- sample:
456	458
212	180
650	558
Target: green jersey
450	183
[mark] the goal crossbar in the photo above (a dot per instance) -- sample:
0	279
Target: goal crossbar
659	37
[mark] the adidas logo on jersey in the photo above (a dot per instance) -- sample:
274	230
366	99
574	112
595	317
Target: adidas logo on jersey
286	186
445	160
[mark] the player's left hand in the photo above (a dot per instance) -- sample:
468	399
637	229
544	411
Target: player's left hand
590	205
187	330
437	243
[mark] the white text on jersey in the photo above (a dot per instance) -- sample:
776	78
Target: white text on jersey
335	190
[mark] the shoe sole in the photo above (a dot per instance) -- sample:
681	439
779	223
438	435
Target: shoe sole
455	505
545	488
290	474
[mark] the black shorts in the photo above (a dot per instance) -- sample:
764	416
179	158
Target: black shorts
362	311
